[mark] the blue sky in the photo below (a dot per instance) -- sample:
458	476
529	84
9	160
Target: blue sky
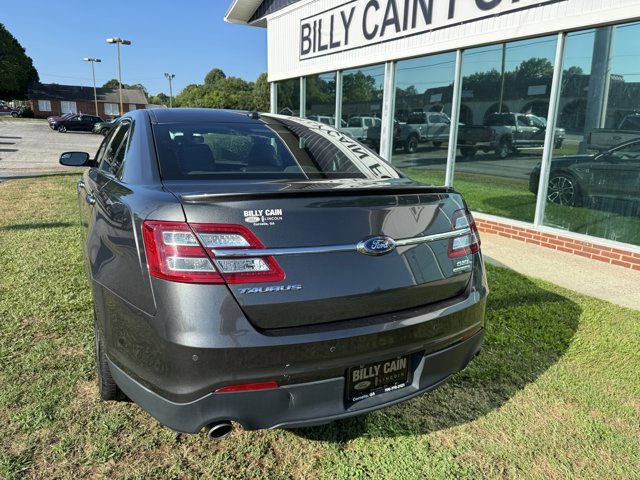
188	38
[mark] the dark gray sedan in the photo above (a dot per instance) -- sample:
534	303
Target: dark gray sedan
270	271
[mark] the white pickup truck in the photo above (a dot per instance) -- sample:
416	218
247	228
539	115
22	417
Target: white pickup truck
357	127
604	139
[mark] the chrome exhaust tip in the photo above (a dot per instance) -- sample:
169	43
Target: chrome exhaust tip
219	430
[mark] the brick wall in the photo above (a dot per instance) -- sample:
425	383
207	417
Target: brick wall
82	107
600	253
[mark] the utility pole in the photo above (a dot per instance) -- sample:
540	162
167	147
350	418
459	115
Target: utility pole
93	70
170	77
118	41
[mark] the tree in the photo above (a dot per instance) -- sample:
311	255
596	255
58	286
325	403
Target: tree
16	68
113	83
261	94
213	76
534	68
159	99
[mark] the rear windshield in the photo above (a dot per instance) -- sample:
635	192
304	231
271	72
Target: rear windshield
274	148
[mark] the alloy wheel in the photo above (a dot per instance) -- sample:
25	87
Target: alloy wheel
562	190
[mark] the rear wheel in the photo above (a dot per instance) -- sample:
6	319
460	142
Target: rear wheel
104	132
411	145
563	190
107	386
14	114
504	149
62	129
437	144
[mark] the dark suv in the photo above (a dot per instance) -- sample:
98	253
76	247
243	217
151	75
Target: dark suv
79	123
271	271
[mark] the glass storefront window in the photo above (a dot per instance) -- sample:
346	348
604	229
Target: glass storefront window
594	179
288	97
504	105
362	90
321	98
422	117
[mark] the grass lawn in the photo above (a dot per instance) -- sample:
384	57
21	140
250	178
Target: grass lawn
511	198
9	118
554	394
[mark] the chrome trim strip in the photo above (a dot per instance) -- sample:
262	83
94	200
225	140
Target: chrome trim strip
277	252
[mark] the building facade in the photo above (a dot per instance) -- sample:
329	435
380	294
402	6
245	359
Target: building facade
530	108
54	99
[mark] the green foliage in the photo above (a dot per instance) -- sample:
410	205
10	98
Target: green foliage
213	76
159	99
16	68
113	83
220	91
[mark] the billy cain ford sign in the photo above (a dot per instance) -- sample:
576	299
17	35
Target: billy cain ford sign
360	23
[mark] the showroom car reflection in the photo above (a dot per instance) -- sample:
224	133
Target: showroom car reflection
609	178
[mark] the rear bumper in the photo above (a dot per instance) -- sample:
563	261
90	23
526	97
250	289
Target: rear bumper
296	405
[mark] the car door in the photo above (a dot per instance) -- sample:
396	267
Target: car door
438	127
93	202
523	131
616	174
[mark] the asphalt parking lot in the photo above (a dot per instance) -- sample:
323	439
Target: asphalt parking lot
30	148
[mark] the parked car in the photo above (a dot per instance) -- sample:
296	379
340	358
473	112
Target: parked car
505	134
420	127
604	139
326	119
248	268
78	123
103	128
357	127
579	179
53	119
8	110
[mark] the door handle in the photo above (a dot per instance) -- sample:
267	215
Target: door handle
90	199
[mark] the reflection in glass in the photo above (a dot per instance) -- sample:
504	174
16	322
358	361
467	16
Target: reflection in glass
321	98
362	90
288	97
422	117
594	180
504	105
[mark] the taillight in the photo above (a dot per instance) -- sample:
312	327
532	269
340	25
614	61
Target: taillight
466	243
183	252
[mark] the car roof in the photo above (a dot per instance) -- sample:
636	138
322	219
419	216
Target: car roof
197	115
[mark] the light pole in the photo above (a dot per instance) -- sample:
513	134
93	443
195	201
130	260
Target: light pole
170	76
118	41
93	70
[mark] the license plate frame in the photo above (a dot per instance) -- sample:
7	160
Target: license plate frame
374	378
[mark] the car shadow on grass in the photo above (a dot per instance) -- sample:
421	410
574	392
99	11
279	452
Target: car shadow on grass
529	328
37	226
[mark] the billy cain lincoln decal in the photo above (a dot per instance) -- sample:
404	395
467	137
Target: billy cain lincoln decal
359	23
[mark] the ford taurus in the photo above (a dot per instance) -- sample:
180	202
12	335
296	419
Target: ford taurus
270	271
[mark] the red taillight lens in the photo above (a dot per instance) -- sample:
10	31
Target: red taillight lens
468	243
247	387
183	252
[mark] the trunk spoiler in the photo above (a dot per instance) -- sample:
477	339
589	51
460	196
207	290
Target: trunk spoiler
333	192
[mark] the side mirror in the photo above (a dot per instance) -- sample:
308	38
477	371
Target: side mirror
75	159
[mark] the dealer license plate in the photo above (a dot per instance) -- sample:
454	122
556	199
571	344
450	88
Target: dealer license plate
366	381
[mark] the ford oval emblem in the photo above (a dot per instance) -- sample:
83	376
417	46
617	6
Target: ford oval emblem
377	245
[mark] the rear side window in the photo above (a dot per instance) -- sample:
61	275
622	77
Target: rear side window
114	154
276	148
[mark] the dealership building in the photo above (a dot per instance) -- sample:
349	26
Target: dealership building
530	108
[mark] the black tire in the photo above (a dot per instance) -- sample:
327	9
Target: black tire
62	129
14	114
558	143
564	190
504	149
411	144
108	388
104	132
468	152
437	144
